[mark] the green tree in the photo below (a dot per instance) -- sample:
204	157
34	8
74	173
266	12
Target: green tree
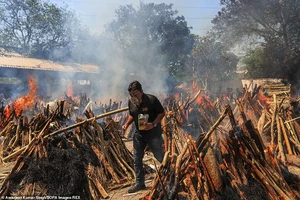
152	36
212	60
274	23
36	28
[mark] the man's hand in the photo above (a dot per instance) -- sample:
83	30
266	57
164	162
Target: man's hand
124	127
149	126
129	121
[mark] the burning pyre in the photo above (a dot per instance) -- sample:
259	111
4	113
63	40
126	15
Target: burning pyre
246	150
53	154
230	160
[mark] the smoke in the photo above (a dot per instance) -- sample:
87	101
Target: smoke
122	67
141	62
118	67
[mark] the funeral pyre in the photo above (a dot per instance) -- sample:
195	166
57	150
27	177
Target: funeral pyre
55	154
213	150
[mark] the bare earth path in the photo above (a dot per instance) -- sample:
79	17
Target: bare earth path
122	194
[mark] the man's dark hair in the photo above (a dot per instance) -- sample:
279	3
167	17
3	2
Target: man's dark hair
135	85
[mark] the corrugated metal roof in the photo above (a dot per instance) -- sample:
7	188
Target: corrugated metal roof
38	64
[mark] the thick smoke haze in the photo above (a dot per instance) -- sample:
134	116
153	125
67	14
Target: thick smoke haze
117	70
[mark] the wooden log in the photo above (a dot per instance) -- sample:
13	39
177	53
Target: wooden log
86	121
240	106
106	165
297	128
261	122
293	134
277	180
272	144
174	191
96	185
188	184
286	138
162	170
263	179
190	101
296	144
256	136
212	166
121	163
212	128
160	181
193	152
279	140
26	148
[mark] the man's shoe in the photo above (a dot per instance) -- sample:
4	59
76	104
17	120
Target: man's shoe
136	187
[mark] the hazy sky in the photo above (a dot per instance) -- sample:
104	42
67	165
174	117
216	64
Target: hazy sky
96	13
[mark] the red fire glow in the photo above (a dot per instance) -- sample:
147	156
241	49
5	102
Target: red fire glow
264	99
202	99
7	111
26	101
70	89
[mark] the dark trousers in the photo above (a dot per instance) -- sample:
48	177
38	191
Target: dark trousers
140	141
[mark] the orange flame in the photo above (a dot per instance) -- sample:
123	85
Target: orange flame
70	89
202	100
7	111
264	99
26	101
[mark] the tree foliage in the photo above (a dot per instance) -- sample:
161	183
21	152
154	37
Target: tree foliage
153	35
36	28
276	23
212	60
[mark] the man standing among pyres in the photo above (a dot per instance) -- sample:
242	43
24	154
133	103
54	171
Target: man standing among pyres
146	111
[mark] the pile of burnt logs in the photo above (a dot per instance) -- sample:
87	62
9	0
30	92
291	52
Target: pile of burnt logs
230	160
246	150
46	157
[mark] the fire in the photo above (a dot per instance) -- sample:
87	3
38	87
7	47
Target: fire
26	101
202	99
70	89
7	111
264	99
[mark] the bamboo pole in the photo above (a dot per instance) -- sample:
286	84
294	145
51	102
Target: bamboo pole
286	138
23	149
280	140
87	120
292	120
272	144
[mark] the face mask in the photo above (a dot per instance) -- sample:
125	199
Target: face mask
135	100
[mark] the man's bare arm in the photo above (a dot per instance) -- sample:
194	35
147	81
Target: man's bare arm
127	123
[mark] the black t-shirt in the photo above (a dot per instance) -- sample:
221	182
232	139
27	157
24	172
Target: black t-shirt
150	105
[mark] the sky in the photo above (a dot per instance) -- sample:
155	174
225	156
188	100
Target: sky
95	14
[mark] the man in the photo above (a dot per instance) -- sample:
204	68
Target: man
148	105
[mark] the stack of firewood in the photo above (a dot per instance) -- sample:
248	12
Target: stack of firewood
250	152
86	159
239	164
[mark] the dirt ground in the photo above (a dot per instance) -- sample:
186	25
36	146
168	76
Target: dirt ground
122	194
